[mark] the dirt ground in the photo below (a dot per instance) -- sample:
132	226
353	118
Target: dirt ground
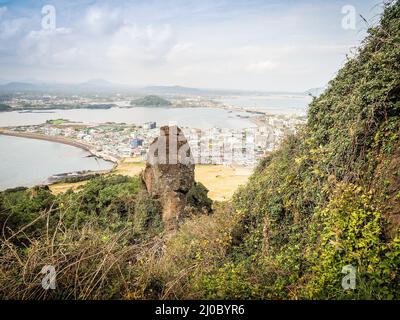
221	181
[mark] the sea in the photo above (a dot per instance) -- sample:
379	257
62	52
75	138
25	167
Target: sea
28	162
282	104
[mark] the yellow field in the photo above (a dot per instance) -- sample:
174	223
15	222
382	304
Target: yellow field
129	167
221	181
58	188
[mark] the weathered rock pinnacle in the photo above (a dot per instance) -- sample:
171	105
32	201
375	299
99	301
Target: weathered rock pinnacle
169	173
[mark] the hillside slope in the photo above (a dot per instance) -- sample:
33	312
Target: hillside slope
330	196
326	199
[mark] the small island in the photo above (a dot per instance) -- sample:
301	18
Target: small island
57	121
4	107
151	101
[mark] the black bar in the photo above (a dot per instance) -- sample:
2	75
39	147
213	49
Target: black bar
196	310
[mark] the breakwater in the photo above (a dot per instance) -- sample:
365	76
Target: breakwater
74	143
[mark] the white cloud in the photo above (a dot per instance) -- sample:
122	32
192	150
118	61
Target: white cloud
39	46
101	20
131	44
103	40
12	27
3	10
67	56
261	67
209	43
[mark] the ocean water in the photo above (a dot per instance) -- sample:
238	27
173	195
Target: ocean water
272	104
202	118
28	162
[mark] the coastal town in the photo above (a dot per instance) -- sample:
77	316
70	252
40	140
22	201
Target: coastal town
115	141
28	101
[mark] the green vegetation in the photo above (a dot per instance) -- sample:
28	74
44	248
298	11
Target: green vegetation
97	106
57	121
86	235
93	236
79	178
197	198
327	198
4	107
147	216
151	101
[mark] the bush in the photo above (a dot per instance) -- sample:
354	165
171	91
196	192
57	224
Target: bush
147	219
86	235
90	263
350	231
197	198
324	198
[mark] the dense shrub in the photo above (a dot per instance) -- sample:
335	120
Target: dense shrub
147	219
21	207
197	198
325	198
350	231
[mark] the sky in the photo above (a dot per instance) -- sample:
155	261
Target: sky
268	45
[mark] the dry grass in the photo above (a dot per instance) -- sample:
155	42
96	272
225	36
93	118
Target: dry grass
127	167
94	263
221	181
58	188
90	263
174	268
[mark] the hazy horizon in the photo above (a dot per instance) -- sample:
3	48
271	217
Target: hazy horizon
104	83
253	45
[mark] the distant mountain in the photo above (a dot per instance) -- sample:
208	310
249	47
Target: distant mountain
94	85
18	86
173	90
97	83
101	86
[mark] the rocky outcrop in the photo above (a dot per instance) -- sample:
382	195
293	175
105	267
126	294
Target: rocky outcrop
169	173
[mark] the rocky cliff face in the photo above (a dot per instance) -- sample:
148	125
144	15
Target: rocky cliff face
169	173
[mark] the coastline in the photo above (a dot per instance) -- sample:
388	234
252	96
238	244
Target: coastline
62	140
222	181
